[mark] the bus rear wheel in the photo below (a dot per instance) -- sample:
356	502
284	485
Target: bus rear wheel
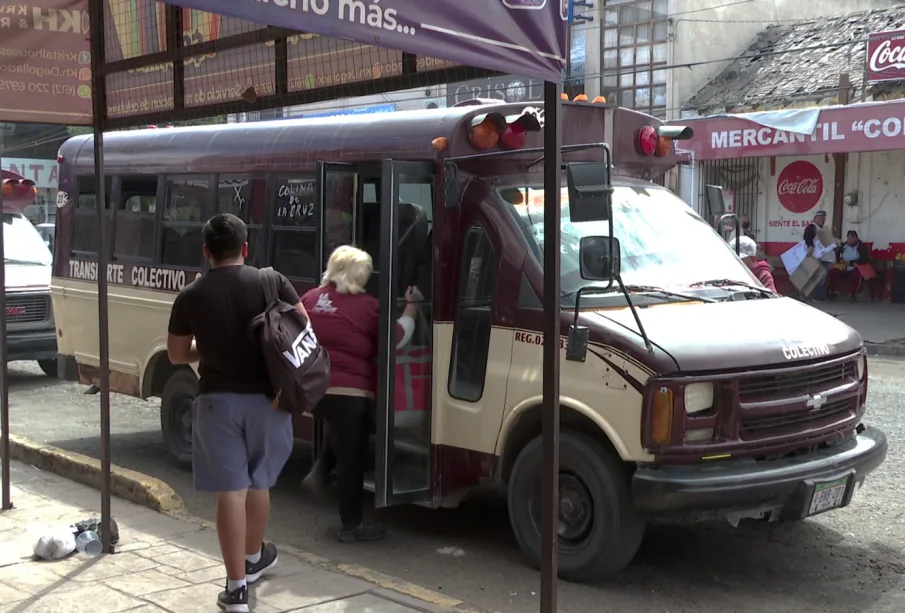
176	415
600	531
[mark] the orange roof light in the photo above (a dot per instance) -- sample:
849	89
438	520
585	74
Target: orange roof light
439	143
580	98
564	96
509	132
599	100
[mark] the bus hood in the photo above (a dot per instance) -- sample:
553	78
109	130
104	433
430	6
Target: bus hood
742	334
22	277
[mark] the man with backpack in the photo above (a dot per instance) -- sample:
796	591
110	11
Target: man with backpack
241	430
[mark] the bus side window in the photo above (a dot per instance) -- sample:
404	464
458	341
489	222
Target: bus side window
474	316
84	227
244	197
294	246
135	217
187	207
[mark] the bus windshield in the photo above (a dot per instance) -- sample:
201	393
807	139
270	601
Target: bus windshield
22	243
664	243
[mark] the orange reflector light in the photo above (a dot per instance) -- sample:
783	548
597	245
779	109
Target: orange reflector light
664	146
439	143
580	98
484	135
661	416
564	96
599	100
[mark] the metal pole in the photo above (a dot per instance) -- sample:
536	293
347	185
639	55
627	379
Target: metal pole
552	335
98	100
4	378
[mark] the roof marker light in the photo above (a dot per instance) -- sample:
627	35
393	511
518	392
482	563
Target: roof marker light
599	100
647	140
580	98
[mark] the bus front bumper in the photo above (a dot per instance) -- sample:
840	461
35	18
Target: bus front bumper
31	345
792	488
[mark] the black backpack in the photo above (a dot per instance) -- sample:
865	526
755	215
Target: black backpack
298	365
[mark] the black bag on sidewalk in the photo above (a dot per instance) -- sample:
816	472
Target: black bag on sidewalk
298	365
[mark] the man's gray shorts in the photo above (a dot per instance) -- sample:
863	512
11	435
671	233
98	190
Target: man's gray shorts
238	442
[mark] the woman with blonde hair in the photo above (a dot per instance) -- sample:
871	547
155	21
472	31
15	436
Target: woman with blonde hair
346	321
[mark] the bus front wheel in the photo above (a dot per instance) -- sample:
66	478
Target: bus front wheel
176	415
600	531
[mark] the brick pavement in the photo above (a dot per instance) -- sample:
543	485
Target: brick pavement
161	563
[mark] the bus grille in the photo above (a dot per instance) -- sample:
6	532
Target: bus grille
792	384
832	414
26	309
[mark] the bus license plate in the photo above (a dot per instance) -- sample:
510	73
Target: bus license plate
829	495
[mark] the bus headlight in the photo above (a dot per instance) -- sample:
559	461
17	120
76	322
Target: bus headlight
861	367
698	397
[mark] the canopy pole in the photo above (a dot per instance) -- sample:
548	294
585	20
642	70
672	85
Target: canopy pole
4	375
552	335
99	103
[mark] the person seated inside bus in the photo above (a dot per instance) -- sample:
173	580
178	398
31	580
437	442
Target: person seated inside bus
851	270
346	321
760	268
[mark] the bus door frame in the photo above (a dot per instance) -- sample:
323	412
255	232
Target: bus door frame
384	493
323	170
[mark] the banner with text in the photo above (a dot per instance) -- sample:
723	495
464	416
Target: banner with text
859	128
526	37
45	63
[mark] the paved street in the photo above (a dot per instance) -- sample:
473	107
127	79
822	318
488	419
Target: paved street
847	561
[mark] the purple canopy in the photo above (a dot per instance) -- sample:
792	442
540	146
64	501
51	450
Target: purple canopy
523	37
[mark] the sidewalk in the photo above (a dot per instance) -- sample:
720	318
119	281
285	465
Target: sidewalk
881	324
161	563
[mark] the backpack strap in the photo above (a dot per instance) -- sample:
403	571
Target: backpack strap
269	282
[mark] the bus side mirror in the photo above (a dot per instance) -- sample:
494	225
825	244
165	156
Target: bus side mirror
716	201
599	258
590	194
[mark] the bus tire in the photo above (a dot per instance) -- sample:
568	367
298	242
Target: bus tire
176	415
603	530
49	367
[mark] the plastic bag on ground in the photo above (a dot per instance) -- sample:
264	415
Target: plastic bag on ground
56	544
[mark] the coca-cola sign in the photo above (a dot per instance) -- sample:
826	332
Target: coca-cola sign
886	56
799	186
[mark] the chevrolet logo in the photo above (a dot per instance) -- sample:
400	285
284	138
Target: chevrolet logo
816	401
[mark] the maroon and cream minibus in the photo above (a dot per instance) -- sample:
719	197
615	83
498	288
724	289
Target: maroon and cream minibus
688	389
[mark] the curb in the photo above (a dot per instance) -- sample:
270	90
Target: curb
885	349
155	494
124	483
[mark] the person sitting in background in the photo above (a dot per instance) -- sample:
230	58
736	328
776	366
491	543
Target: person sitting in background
845	274
760	268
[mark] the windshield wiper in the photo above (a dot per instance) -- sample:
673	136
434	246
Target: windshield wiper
727	282
649	289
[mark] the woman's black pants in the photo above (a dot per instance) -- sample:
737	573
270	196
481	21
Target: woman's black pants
348	420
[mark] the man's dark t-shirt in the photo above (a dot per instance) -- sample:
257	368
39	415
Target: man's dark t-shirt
216	309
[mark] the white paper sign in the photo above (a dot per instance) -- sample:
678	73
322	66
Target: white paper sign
793	257
820	250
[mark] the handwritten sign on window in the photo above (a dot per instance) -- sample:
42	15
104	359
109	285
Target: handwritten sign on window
294	203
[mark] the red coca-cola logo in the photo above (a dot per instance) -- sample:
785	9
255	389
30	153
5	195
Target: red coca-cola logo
800	186
887	56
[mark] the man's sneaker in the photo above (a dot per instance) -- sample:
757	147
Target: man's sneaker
361	533
235	601
253	572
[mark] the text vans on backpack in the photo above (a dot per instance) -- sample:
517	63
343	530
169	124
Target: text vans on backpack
299	367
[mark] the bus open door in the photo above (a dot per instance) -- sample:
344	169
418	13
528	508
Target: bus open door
386	209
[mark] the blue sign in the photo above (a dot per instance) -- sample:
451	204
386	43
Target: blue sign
363	110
